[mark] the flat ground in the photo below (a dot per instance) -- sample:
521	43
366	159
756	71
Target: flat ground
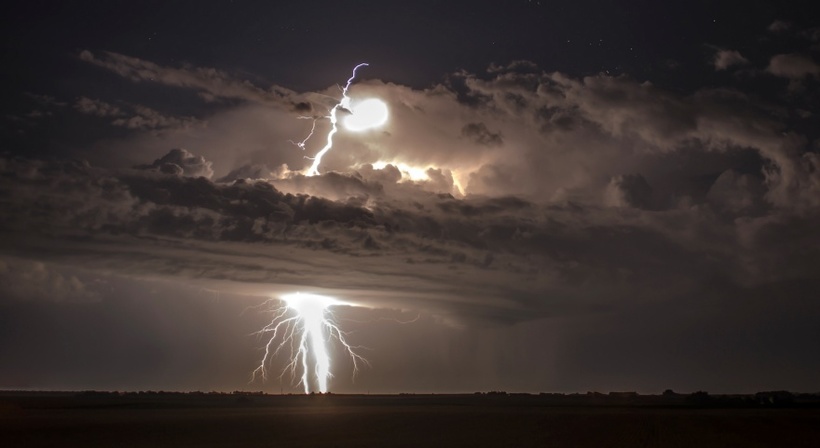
411	421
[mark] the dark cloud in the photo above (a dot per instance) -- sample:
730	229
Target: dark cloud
812	34
724	59
332	185
212	84
46	100
626	126
519	66
781	26
147	118
778	26
389	174
303	108
737	192
440	181
478	133
253	171
515	259
494	179
629	190
96	107
793	66
182	163
43	106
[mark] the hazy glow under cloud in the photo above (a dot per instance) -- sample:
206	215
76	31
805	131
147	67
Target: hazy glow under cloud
368	114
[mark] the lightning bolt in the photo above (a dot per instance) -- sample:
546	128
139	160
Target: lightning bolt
343	103
302	326
301	144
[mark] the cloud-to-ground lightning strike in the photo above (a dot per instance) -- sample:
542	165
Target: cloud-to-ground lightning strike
343	103
303	326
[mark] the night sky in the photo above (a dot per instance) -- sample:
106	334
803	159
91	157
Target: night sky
567	196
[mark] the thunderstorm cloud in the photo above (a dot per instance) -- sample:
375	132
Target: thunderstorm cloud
548	195
540	223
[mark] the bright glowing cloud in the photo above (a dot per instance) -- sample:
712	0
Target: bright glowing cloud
414	173
367	114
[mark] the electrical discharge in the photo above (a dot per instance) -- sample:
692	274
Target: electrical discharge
303	326
363	115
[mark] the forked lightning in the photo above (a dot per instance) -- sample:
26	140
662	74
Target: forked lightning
363	115
303	326
334	119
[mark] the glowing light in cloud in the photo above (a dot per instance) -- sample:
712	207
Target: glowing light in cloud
303	326
414	173
367	114
344	103
420	173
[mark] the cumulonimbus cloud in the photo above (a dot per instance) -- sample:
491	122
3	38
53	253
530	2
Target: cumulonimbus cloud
504	256
515	130
515	193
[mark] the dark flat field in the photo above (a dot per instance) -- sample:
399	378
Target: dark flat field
206	420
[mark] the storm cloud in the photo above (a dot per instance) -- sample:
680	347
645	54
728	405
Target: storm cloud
396	245
620	202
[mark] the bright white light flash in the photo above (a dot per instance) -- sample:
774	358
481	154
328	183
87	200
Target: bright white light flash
303	326
367	114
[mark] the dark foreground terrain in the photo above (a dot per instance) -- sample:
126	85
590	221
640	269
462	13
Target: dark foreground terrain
248	420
